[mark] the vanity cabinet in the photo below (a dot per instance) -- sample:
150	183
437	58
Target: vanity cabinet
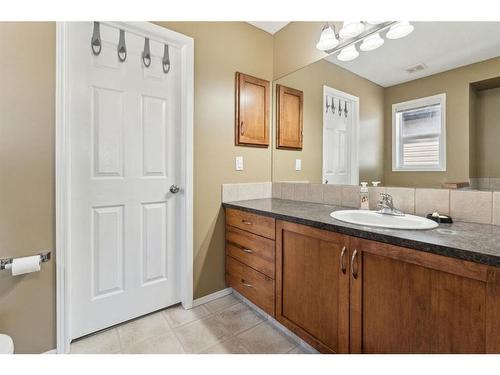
312	285
252	111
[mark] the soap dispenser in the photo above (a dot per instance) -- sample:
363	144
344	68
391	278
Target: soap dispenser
365	205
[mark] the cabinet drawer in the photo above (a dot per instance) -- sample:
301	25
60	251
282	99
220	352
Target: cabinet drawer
261	225
255	286
250	249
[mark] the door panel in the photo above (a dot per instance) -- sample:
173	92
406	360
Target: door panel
311	290
289	117
402	303
125	155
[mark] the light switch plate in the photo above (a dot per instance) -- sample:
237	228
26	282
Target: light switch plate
298	164
239	163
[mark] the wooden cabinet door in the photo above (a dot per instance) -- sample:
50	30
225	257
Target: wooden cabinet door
252	111
289	118
312	285
406	301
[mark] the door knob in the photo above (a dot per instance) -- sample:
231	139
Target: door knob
174	189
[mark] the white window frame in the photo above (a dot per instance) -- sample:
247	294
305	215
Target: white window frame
412	104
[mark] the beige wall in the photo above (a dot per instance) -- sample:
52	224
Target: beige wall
487	142
27	303
455	83
27	76
371	135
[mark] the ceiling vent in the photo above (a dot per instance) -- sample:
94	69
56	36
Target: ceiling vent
416	68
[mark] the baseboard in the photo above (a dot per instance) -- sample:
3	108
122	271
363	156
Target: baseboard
53	351
211	297
304	345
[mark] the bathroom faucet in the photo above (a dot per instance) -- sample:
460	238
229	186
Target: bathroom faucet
386	206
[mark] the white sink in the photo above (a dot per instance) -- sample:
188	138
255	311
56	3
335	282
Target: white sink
374	219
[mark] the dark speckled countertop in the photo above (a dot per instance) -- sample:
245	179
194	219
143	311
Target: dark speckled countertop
478	243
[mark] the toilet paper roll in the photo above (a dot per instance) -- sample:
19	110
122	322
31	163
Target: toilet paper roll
25	265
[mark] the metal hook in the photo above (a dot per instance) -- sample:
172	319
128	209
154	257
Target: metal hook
345	109
327	104
122	48
146	55
95	41
340	108
165	62
333	105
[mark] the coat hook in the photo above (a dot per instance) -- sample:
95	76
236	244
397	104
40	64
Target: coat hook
340	108
146	54
95	41
345	109
333	105
122	48
165	62
327	104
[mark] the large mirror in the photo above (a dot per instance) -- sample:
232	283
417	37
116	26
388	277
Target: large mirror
421	111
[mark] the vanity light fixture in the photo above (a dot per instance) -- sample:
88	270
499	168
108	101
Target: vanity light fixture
400	30
367	33
328	38
371	42
348	53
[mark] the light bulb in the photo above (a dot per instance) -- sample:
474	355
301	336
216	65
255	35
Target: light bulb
327	40
400	30
351	29
348	53
371	42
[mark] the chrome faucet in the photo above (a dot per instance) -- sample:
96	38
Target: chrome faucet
386	206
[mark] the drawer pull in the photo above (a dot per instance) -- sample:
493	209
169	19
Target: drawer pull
246	222
249	251
353	258
342	260
246	284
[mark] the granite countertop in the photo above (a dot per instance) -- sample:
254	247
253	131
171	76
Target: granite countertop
478	243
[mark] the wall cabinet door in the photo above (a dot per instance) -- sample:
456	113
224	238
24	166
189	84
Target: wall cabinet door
252	111
405	301
312	285
289	118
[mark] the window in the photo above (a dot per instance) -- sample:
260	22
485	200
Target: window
419	134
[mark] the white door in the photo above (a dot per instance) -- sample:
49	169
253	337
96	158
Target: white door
340	162
125	154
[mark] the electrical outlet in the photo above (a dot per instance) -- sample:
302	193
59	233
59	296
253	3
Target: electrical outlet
239	163
298	164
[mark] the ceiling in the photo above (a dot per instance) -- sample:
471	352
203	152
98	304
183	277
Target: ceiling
270	26
440	46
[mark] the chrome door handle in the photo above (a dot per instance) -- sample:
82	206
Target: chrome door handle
354	274
342	259
174	189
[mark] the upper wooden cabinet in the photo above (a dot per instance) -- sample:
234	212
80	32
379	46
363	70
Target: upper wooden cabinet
289	115
252	111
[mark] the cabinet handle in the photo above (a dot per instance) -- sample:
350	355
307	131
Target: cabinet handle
249	251
242	128
354	274
342	260
246	284
246	222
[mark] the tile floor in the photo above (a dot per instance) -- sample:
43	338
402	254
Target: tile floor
222	326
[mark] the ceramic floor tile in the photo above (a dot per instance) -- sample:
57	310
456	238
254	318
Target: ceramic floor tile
142	328
221	303
177	315
238	318
201	334
106	342
163	344
266	339
230	346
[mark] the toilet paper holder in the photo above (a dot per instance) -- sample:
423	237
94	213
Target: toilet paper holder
44	257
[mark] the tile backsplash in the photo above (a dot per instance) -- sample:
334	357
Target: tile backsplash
463	205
